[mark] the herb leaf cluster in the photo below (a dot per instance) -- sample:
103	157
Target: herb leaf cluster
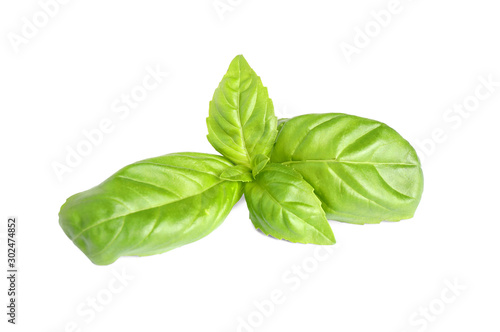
295	174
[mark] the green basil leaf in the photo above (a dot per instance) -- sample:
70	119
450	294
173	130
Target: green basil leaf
362	170
284	206
150	207
241	122
237	173
258	164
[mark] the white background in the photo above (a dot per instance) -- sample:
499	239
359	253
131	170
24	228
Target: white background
65	78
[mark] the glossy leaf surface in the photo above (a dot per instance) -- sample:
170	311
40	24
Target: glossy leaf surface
284	206
362	170
150	207
241	122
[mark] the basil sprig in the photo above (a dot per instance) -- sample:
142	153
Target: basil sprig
318	166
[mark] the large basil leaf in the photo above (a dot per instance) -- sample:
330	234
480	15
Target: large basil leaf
284	206
241	122
150	207
362	170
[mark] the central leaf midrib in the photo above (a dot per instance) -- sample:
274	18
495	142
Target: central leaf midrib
343	162
142	210
243	140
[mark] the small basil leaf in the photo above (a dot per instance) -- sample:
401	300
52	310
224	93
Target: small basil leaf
237	173
258	163
150	207
284	206
241	122
362	170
